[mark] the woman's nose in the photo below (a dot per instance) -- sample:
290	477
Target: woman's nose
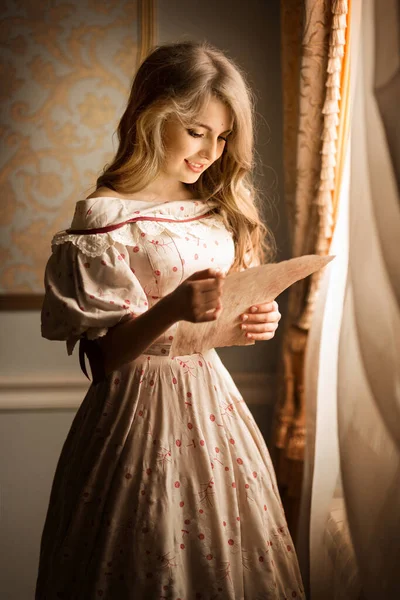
210	150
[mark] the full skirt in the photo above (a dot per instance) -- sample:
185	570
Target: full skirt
164	489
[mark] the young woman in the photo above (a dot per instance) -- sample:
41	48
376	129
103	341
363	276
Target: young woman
164	488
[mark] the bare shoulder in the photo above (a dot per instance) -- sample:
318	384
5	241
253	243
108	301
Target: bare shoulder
102	192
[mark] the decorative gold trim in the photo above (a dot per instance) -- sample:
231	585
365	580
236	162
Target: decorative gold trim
147	32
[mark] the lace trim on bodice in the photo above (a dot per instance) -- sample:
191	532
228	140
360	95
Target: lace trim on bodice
96	244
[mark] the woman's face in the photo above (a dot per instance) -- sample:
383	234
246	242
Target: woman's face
191	151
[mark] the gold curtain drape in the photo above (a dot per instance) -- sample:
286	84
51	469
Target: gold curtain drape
314	75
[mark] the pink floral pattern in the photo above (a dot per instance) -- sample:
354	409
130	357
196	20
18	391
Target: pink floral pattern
164	488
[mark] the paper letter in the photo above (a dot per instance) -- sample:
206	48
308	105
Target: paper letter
241	290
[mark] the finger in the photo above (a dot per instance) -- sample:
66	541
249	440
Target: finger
212	301
266	317
211	295
210	284
260	328
212	310
210	316
260	336
205	274
264	307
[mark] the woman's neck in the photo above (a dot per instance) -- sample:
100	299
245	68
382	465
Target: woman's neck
143	195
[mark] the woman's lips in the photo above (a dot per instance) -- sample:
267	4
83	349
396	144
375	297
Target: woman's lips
193	168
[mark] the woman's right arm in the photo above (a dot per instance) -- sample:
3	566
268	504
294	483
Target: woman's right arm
190	301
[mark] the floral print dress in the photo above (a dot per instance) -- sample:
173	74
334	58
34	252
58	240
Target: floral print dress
164	488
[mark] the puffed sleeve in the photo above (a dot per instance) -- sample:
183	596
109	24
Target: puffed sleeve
90	286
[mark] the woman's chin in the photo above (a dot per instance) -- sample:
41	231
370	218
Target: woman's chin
190	178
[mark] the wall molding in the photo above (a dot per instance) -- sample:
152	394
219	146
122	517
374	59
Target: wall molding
66	392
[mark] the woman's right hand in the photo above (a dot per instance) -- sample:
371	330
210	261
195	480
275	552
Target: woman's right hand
198	298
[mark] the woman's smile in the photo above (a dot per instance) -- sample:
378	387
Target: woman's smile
196	167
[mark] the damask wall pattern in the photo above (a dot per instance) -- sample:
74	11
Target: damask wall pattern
66	69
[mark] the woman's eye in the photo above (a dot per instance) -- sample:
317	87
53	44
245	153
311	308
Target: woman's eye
197	135
194	134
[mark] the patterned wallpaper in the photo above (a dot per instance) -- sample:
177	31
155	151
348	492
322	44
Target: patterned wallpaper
66	69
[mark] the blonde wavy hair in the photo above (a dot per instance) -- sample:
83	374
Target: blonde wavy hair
177	80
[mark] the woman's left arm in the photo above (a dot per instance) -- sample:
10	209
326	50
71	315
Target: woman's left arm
261	321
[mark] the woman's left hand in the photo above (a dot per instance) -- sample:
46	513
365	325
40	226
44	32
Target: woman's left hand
261	324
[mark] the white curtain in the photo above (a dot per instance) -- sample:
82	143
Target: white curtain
349	533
